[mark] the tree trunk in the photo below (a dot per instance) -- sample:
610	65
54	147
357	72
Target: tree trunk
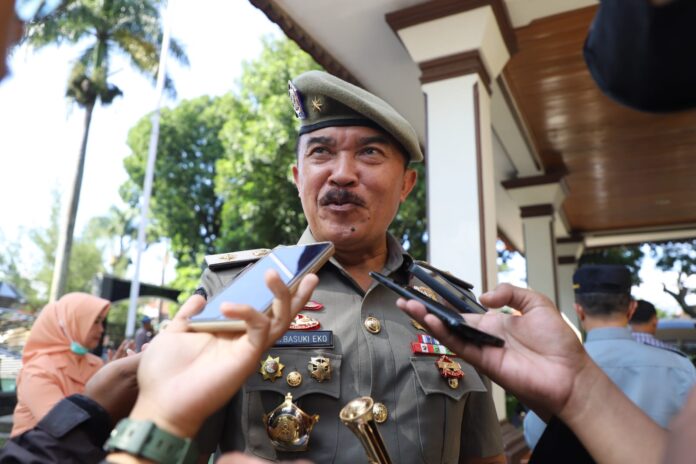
62	262
681	299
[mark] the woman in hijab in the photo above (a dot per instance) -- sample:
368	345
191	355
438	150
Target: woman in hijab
56	361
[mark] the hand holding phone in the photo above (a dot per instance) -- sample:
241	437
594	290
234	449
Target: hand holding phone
291	263
451	318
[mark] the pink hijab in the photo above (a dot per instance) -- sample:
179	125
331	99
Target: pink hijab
50	370
76	312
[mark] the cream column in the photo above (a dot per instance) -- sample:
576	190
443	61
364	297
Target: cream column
568	251
539	199
459	49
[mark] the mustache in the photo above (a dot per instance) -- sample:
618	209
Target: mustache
340	196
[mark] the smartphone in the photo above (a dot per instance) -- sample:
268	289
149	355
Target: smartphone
452	319
291	263
451	289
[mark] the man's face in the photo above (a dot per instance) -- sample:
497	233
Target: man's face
351	181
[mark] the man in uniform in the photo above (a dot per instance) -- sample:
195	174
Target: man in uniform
656	380
352	174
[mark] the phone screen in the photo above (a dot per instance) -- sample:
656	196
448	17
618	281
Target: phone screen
249	288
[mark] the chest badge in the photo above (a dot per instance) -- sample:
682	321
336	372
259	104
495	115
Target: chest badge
417	325
313	306
319	368
304	322
289	427
271	368
449	370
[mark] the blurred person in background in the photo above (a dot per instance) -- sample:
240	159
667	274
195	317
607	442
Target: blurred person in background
56	361
644	327
144	334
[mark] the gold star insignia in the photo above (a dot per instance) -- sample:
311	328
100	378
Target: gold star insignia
271	368
317	104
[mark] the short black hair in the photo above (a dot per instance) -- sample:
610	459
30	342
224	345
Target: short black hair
603	304
645	311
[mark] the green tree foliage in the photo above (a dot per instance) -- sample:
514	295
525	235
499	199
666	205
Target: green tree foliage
184	204
84	267
223	179
105	28
630	256
679	256
261	207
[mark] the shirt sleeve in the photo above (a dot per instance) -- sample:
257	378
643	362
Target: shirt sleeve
73	431
39	391
533	429
481	435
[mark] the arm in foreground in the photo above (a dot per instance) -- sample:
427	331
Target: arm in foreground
546	367
219	363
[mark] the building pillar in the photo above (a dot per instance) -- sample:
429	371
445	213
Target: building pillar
568	252
539	199
459	47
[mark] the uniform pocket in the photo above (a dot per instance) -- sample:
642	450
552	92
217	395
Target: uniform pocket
313	397
440	408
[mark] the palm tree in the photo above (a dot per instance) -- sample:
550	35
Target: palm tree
104	27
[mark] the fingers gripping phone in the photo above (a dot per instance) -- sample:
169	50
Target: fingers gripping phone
291	262
453	320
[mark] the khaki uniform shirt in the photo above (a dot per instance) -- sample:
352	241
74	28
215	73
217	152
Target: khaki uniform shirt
428	421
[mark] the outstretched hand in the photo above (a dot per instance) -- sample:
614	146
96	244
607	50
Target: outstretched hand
186	376
541	356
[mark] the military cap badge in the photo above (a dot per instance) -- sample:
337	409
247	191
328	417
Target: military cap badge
296	100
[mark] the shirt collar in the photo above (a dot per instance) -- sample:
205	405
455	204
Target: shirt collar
395	252
608	333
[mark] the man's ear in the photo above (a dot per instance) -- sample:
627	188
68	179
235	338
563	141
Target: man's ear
410	178
579	311
296	177
631	309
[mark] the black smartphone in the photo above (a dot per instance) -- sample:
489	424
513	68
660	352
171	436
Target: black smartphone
451	318
453	290
291	263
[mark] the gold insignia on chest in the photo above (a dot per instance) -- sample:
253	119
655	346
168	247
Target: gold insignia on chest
294	379
289	427
319	368
271	368
427	291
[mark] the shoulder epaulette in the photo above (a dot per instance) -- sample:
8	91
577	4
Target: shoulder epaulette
228	260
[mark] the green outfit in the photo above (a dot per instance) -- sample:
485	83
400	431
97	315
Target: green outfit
428	420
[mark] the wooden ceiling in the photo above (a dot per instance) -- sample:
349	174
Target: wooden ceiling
626	169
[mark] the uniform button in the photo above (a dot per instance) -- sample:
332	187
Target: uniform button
294	379
373	325
380	413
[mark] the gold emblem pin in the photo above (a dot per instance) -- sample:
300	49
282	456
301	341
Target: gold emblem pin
289	427
294	379
427	291
417	325
380	413
319	368
271	368
317	104
373	325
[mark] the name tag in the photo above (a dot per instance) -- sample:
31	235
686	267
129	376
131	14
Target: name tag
306	339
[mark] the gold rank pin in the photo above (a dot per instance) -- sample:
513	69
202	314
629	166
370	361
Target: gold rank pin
228	260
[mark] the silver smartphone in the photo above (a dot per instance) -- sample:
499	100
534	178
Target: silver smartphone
291	263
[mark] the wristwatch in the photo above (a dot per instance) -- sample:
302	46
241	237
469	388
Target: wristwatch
144	439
